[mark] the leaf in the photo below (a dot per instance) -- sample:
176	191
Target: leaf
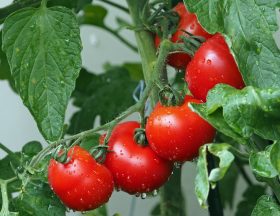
266	205
104	95
156	210
217	121
43	48
93	15
89	142
250	197
5	73
172	197
202	179
275	156
38	199
261	165
32	148
101	211
240	108
249	26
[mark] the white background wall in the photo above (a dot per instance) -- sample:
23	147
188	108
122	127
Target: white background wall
17	126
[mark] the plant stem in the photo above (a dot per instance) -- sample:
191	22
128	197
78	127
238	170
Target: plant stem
214	200
116	5
5	200
5	149
172	199
109	126
240	155
117	35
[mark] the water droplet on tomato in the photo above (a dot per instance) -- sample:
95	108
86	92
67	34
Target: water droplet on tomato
209	61
137	194
143	195
155	192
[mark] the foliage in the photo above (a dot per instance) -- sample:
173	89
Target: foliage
41	60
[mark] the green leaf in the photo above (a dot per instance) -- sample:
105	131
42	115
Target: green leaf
250	197
43	48
240	108
90	142
5	73
261	165
93	15
156	210
38	199
216	120
32	148
202	179
266	205
275	156
172	197
101	211
250	26
104	95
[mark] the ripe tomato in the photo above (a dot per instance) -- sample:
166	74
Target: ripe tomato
212	64
82	184
176	133
188	22
136	169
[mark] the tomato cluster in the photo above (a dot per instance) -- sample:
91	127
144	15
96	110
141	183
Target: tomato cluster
173	133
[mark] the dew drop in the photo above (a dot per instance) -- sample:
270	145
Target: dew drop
143	195
155	192
137	194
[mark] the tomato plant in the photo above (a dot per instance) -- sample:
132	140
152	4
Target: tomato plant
187	23
176	133
212	64
228	128
136	168
81	183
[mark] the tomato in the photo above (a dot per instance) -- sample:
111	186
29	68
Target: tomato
82	184
136	169
188	22
212	64
176	133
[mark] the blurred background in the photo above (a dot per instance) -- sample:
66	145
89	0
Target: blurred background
17	126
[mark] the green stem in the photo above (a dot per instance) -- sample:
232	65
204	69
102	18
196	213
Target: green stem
5	199
172	199
116	5
240	155
108	126
5	149
117	35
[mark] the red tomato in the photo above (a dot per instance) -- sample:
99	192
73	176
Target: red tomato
212	64
188	22
136	169
176	133
82	184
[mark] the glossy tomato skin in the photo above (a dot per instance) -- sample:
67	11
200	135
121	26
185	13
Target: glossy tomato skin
136	169
188	22
176	133
82	184
212	64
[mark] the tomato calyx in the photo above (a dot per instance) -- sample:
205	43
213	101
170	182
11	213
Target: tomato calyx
170	97
99	152
163	20
140	137
60	154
